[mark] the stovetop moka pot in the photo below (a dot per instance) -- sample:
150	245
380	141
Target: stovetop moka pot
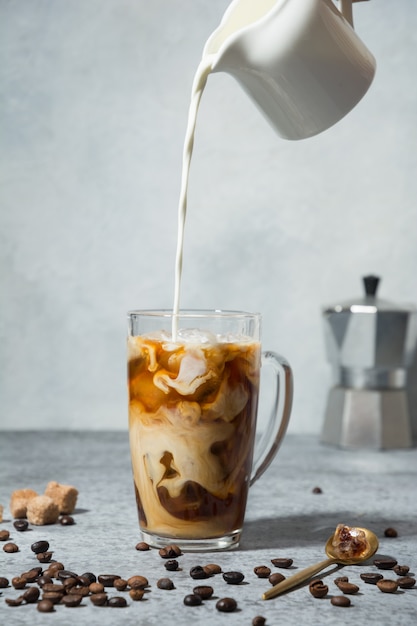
371	344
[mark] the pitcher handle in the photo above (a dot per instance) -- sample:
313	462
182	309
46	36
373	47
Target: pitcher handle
271	439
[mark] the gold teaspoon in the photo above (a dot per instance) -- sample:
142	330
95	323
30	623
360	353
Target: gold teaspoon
334	559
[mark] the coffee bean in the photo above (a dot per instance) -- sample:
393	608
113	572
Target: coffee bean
96	588
4	535
138	582
14	601
52	596
45	606
406	582
276	578
99	599
371	577
204	591
262	571
170	552
226	605
317	490
54	588
10	547
233	578
117	602
85	580
401	570
136	594
259	620
198	573
192	600
92	578
340	601
348	588
31	595
120	584
80	591
281	562
171	565
32	574
43	580
72	600
385	563
40	546
66	520
142	546
21	525
341	579
107	579
70	582
19	582
390	532
165	583
4	582
55	567
387	586
318	589
44	557
212	568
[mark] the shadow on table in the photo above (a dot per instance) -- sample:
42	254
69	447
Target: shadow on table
297	530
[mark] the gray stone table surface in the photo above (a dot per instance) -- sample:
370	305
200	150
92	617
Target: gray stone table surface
285	518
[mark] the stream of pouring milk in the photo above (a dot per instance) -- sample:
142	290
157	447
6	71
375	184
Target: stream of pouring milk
199	83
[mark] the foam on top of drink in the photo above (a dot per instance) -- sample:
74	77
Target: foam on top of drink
194	336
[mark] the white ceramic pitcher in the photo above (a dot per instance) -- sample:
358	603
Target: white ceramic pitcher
299	60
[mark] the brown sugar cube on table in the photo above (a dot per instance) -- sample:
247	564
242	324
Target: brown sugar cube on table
19	501
64	496
42	510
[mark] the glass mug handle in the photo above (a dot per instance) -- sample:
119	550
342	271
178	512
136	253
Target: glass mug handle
270	441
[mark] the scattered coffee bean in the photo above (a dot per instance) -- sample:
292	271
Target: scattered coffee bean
53	588
31	595
117	602
387	586
19	582
43	580
92	578
204	591
262	571
80	590
340	601
52	596
317	490
32	574
120	584
348	588
170	552
401	570
4	535
40	546
233	578
198	573
165	583
318	589
212	568
390	532
85	580
226	605
44	557
341	579
96	588
371	577
66	520
386	563
99	599
56	567
10	547
284	563
171	565
136	594
137	582
14	601
62	574
45	606
192	600
106	579
21	525
259	620
142	546
276	578
69	583
4	582
72	600
406	582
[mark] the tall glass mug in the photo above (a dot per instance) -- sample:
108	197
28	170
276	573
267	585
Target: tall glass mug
193	398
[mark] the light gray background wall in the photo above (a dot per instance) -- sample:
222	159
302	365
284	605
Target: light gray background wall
94	99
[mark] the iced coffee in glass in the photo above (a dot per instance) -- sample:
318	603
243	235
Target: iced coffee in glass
193	395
